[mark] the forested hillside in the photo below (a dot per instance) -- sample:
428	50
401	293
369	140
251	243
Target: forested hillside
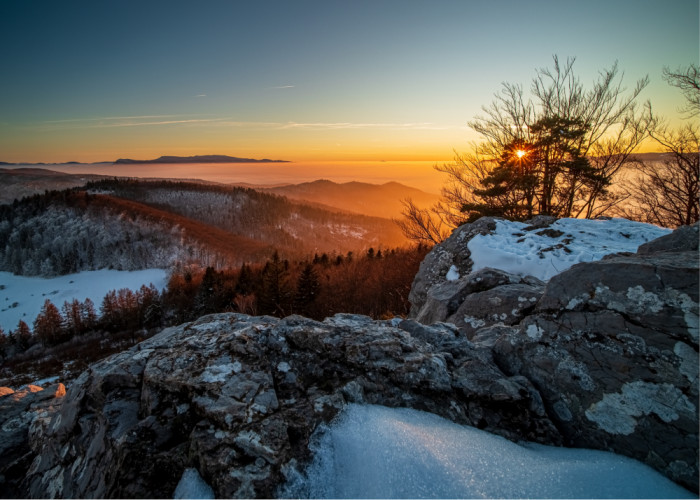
130	224
292	227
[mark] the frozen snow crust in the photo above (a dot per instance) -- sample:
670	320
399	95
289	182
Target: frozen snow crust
519	248
379	452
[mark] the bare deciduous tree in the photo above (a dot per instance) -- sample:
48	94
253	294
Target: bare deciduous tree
688	81
422	225
579	140
666	192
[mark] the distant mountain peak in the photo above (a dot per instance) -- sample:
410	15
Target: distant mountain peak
199	159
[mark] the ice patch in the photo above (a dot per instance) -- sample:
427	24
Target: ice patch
377	452
192	485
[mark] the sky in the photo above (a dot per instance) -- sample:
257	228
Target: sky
303	80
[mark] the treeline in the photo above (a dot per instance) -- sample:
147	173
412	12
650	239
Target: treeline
375	283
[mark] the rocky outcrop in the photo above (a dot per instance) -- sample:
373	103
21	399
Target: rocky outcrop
611	346
453	252
23	413
238	398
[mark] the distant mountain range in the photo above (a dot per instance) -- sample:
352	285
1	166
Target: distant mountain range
199	159
163	159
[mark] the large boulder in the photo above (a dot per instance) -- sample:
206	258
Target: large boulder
238	397
612	347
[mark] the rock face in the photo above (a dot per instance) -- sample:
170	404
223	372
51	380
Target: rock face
23	414
611	346
238	397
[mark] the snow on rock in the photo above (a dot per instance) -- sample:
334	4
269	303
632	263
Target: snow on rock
192	485
452	274
379	452
544	252
21	297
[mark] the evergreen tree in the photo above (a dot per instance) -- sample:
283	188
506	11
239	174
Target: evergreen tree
275	294
23	336
4	343
109	310
73	318
205	300
308	288
88	316
48	325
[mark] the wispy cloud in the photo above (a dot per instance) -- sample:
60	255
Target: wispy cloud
284	87
201	95
158	120
124	121
163	122
350	125
331	125
108	118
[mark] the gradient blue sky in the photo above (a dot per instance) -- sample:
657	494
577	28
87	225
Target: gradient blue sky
302	80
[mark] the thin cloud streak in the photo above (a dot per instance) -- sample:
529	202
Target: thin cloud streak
284	87
349	125
106	118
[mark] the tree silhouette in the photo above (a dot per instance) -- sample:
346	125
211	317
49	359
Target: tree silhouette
48	325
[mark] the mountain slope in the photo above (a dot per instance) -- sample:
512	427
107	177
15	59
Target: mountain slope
378	200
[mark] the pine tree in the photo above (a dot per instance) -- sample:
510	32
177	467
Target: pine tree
23	336
275	294
308	288
88	316
72	315
204	301
48	325
109	311
4	342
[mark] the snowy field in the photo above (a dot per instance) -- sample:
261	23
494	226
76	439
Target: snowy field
379	452
21	297
544	253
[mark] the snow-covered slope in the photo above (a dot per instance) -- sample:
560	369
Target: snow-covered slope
21	297
546	252
379	452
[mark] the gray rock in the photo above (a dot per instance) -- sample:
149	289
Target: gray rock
237	398
612	348
451	252
505	304
24	415
683	239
